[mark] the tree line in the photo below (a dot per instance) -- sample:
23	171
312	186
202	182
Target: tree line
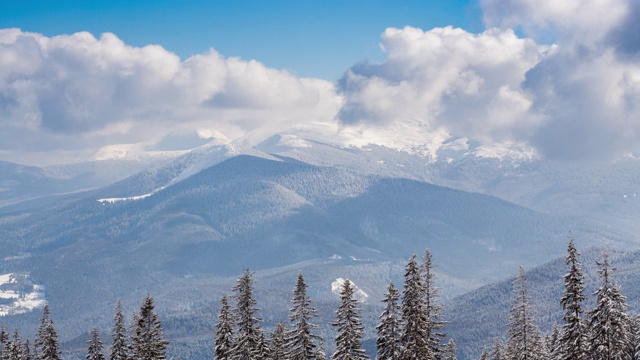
409	328
606	332
410	325
144	339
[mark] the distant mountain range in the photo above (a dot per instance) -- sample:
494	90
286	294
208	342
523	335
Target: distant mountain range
183	226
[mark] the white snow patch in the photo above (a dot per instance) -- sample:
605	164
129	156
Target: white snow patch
131	198
336	288
335	257
20	295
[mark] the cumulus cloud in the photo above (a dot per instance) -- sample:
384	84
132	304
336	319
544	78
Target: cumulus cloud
77	93
445	78
569	88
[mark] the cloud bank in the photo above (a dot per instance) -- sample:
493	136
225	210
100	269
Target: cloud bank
560	77
72	94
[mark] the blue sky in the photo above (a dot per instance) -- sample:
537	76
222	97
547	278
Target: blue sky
309	38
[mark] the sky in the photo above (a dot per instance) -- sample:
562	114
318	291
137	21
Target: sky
82	80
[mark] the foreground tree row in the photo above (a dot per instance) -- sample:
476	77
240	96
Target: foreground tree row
606	332
144	341
409	328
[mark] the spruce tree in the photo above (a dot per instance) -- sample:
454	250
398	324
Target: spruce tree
16	349
247	337
349	327
4	344
148	341
388	343
95	347
119	349
433	310
485	354
26	351
224	331
450	351
415	338
497	351
278	342
264	350
525	341
47	339
609	323
573	341
300	340
320	354
634	338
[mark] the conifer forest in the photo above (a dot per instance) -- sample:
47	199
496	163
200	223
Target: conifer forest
410	325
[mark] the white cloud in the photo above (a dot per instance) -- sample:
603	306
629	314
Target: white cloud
575	99
78	93
445	80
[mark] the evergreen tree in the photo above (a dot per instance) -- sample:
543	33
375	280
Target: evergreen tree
148	341
4	344
16	349
415	337
433	310
247	339
278	342
485	354
525	341
119	349
300	340
95	347
264	351
450	351
497	351
26	351
47	339
609	323
224	331
552	342
388	343
320	354
573	341
349	327
634	338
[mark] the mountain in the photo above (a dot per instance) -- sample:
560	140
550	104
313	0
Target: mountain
183	229
184	235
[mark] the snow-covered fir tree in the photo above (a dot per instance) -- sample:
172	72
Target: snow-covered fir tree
119	349
224	331
26	351
497	350
552	342
16	348
95	347
573	340
320	353
47	339
278	342
301	342
349	327
524	339
388	342
415	337
245	345
264	350
147	342
433	310
450	351
4	343
485	354
609	323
